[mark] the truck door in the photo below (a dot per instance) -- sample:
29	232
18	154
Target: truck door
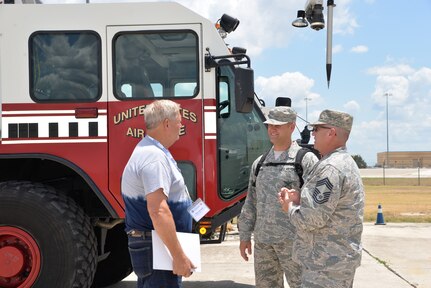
242	138
146	63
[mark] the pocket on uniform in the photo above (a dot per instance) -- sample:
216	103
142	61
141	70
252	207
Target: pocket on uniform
141	256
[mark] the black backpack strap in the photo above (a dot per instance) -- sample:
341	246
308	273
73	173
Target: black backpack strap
298	166
259	165
298	161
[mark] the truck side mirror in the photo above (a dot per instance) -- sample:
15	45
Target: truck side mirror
244	89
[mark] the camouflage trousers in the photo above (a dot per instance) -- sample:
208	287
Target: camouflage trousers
271	261
328	279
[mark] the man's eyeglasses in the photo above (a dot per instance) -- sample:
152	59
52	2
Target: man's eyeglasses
317	127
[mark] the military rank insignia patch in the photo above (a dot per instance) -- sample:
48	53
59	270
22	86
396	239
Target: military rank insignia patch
322	191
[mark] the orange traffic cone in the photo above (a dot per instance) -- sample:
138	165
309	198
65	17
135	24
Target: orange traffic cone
380	219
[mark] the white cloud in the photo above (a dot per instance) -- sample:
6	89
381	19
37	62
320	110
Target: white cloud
266	24
409	103
352	106
359	49
344	21
294	85
403	83
397	69
422	77
263	24
397	87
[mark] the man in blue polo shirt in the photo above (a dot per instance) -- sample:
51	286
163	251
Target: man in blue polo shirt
157	198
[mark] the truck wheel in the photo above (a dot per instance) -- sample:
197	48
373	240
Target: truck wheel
117	266
46	240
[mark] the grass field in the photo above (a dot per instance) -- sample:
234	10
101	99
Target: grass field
402	199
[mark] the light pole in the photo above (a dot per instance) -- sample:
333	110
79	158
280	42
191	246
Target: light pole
387	128
306	108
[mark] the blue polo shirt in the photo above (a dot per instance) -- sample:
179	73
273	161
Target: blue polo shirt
151	167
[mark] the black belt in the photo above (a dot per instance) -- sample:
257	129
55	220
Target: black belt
137	233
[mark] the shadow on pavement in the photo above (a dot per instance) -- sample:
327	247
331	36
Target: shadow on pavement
124	284
214	284
192	284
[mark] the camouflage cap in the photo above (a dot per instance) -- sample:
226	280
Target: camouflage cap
281	115
336	119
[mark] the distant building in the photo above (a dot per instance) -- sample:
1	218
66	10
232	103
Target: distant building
405	159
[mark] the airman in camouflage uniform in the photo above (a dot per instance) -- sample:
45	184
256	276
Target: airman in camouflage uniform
328	214
261	214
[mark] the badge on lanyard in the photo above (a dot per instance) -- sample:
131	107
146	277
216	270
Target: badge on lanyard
198	209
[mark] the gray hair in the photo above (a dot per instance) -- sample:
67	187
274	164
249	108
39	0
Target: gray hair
342	134
160	110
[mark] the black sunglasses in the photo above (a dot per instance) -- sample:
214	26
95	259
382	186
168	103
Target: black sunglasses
316	128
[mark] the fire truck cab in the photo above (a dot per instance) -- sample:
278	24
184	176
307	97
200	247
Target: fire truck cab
74	79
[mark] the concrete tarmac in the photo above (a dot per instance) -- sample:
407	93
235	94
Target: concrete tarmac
396	255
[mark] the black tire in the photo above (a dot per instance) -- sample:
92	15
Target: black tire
117	266
66	244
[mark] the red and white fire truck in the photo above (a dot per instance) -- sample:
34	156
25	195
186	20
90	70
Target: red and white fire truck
74	80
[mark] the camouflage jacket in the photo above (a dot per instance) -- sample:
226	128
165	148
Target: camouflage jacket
261	213
329	220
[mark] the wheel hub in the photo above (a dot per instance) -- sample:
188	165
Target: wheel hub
11	261
19	258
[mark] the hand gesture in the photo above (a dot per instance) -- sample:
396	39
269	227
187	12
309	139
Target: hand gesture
287	196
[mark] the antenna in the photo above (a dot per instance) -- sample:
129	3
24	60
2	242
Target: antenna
330	5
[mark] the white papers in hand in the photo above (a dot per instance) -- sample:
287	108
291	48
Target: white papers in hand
162	259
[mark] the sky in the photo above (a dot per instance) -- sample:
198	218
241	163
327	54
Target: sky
381	62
